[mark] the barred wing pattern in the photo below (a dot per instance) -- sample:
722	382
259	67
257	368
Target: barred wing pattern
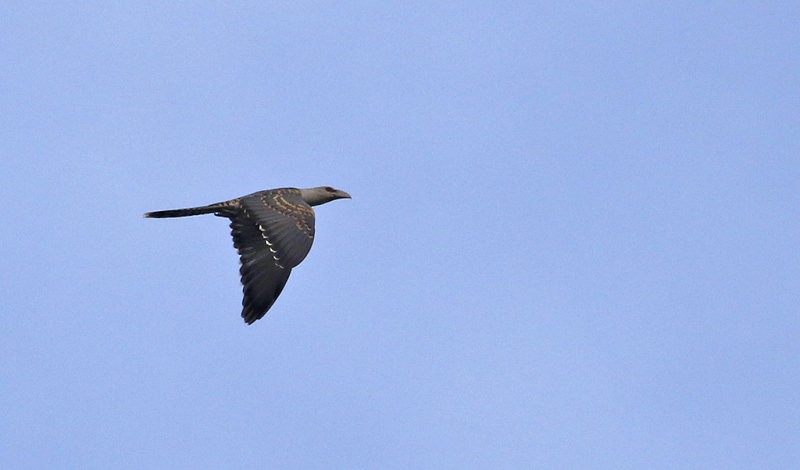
285	221
272	232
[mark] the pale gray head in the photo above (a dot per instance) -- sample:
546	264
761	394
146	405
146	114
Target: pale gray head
321	195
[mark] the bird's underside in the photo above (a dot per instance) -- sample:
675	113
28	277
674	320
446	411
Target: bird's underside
272	231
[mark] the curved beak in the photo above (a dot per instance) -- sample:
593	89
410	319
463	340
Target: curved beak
342	195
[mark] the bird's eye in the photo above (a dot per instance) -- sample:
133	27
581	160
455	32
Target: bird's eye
329	189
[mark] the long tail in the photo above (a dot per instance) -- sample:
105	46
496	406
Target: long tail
210	209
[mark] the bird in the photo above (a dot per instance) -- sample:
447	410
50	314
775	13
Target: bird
272	231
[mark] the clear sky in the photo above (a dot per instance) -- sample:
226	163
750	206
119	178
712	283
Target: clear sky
574	238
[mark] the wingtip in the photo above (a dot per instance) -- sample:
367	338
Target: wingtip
249	316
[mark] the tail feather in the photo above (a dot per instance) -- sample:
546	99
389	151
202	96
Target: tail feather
210	209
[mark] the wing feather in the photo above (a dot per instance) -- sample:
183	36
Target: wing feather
262	279
285	223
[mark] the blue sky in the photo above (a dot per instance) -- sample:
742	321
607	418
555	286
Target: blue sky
572	243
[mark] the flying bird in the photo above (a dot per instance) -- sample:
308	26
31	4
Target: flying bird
273	231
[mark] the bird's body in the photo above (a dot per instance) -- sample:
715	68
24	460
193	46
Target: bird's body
273	231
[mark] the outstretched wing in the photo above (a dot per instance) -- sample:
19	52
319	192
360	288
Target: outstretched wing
273	232
262	279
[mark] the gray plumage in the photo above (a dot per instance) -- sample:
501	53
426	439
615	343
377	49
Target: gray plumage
273	231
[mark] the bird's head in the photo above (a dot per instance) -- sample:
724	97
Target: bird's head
321	195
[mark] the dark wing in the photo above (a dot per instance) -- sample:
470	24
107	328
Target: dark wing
262	279
272	231
285	221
